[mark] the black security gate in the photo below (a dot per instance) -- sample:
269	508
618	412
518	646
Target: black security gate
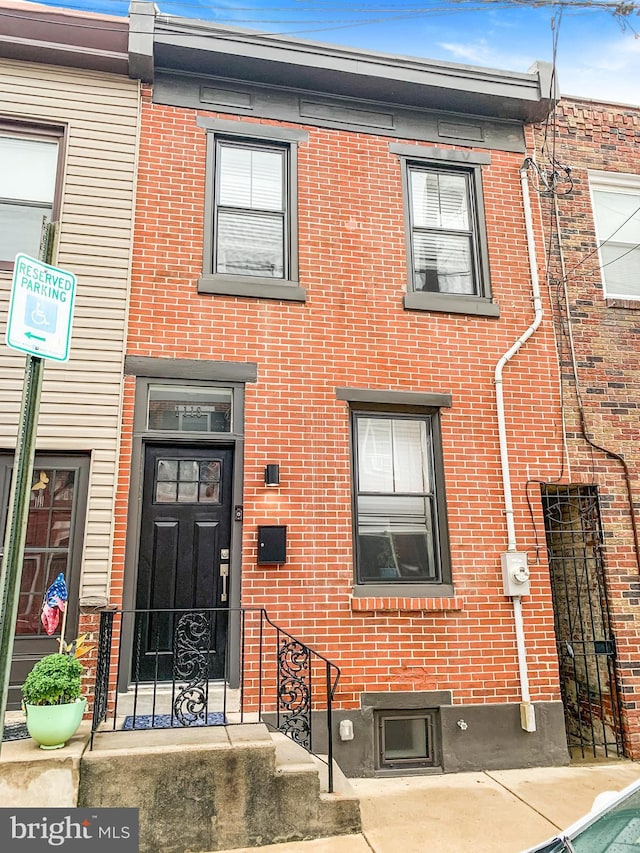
585	642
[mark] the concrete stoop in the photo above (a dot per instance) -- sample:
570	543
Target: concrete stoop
30	776
218	788
337	813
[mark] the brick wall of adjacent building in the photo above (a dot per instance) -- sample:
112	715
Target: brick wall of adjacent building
588	135
354	332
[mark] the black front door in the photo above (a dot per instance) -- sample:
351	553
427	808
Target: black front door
184	559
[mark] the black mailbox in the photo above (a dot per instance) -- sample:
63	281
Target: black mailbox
272	543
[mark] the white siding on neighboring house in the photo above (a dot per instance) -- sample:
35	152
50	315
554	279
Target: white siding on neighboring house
81	401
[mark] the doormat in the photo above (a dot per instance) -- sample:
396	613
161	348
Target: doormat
15	731
167	721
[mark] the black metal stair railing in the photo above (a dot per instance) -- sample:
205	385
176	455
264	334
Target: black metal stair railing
212	666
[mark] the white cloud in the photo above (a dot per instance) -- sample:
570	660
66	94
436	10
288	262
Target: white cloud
607	71
484	53
604	70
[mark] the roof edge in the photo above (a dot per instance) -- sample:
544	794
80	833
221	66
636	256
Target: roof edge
181	44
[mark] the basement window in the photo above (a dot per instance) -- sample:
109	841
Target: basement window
405	740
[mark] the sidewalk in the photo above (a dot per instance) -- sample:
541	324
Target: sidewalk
494	812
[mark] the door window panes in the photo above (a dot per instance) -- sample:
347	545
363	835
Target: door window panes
188	481
189	409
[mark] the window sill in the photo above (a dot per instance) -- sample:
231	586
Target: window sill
451	304
424	604
261	288
620	302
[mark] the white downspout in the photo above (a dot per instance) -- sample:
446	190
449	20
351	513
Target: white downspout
515	571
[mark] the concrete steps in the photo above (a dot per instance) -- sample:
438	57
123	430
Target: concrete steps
337	813
219	788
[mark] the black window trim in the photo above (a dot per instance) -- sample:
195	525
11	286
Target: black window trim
10	126
420	405
252	134
469	163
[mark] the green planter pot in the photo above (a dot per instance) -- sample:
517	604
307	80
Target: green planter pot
52	725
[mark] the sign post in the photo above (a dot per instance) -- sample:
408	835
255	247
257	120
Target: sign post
40	317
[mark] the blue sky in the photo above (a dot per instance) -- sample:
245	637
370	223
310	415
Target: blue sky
595	57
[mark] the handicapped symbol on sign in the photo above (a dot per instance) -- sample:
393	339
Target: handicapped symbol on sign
40	315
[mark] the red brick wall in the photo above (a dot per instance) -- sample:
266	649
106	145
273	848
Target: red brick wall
588	135
353	331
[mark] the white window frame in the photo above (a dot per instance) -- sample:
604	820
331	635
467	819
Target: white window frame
618	183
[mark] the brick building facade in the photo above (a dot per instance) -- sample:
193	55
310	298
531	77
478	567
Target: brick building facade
590	184
325	278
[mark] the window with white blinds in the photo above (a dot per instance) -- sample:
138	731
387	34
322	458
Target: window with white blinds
27	189
616	209
443	231
251	210
396	499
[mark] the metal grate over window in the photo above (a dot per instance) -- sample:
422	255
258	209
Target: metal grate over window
584	638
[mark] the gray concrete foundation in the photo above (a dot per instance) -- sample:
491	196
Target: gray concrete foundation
213	788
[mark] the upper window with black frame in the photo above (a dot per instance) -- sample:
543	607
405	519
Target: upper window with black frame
28	180
251	211
396	499
443	231
447	250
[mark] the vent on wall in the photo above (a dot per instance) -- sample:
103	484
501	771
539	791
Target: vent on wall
453	130
226	98
346	115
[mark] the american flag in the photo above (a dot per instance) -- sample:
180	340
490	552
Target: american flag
55	601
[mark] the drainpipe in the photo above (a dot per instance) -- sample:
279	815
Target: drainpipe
515	571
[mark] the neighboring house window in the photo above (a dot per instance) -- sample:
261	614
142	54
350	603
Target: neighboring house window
251	210
28	180
398	498
446	236
616	208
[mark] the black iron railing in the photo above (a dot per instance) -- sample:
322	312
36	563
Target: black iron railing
212	666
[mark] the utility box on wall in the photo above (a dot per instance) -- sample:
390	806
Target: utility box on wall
272	544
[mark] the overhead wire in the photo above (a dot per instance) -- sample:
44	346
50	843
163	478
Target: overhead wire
566	326
371	13
555	28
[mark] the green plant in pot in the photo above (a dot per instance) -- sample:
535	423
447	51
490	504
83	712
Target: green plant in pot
52	700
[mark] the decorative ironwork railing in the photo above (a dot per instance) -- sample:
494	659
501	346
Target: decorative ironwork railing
212	666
